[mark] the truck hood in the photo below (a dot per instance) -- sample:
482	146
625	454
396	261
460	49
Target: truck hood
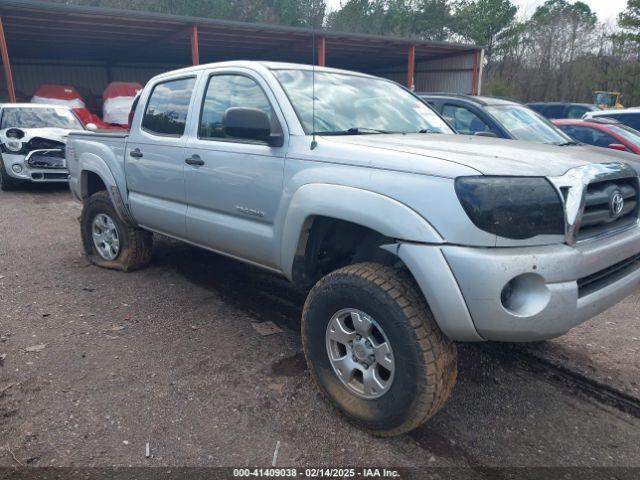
490	156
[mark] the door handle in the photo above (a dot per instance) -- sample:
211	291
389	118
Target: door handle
194	160
135	153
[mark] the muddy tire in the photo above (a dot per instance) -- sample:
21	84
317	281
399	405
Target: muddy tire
386	390
108	241
7	182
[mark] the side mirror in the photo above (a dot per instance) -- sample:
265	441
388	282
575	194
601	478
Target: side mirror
617	146
92	127
251	124
485	134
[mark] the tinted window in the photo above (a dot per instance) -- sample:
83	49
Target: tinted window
590	136
577	112
166	112
554	111
229	91
633	119
464	120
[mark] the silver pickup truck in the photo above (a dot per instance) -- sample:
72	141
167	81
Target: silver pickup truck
406	236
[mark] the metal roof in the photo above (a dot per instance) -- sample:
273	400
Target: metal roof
42	31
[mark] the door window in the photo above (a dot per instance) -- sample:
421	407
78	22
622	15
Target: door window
464	120
166	112
230	91
590	136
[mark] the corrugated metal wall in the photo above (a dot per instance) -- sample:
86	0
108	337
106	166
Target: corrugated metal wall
89	79
449	74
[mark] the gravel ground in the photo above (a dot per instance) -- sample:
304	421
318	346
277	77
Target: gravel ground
100	363
606	348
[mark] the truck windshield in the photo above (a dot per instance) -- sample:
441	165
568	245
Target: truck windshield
354	105
39	118
524	124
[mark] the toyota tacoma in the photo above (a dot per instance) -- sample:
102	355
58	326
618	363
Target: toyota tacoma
407	237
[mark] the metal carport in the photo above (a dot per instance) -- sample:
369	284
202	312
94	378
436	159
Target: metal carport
89	47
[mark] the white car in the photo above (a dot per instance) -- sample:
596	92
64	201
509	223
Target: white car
627	116
32	143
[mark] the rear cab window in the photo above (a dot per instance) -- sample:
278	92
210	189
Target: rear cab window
167	107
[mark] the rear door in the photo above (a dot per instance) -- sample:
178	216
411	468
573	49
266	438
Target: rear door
154	157
234	193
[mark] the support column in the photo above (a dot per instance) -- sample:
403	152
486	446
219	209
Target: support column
6	64
195	51
411	68
322	51
476	69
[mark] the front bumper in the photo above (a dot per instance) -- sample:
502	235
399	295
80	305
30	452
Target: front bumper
551	288
33	174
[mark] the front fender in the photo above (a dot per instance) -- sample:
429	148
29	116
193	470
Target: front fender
372	210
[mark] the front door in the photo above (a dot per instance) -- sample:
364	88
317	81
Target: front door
234	187
154	158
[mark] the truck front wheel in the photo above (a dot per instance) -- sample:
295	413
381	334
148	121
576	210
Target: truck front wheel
108	241
374	349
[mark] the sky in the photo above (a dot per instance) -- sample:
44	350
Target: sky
607	10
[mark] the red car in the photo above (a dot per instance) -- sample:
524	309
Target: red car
602	132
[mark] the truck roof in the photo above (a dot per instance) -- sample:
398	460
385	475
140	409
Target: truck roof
260	64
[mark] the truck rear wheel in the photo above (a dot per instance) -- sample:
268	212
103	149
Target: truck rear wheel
374	349
108	241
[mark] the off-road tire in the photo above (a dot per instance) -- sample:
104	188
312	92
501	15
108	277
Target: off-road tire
7	182
135	243
426	361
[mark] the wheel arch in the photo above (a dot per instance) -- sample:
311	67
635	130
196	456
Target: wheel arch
319	211
95	175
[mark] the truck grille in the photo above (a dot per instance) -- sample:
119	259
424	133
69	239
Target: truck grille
603	209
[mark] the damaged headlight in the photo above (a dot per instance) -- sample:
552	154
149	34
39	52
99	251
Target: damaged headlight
13	145
512	207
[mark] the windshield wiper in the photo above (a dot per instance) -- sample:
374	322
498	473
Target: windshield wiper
568	144
427	130
354	131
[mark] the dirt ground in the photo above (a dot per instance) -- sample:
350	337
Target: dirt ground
99	363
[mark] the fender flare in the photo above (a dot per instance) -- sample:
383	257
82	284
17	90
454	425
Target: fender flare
363	207
91	163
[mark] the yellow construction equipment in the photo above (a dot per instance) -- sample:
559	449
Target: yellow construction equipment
607	99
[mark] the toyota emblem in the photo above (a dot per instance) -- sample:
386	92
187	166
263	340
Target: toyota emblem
616	203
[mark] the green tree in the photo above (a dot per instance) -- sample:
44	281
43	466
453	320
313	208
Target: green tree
434	20
482	21
363	16
629	20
